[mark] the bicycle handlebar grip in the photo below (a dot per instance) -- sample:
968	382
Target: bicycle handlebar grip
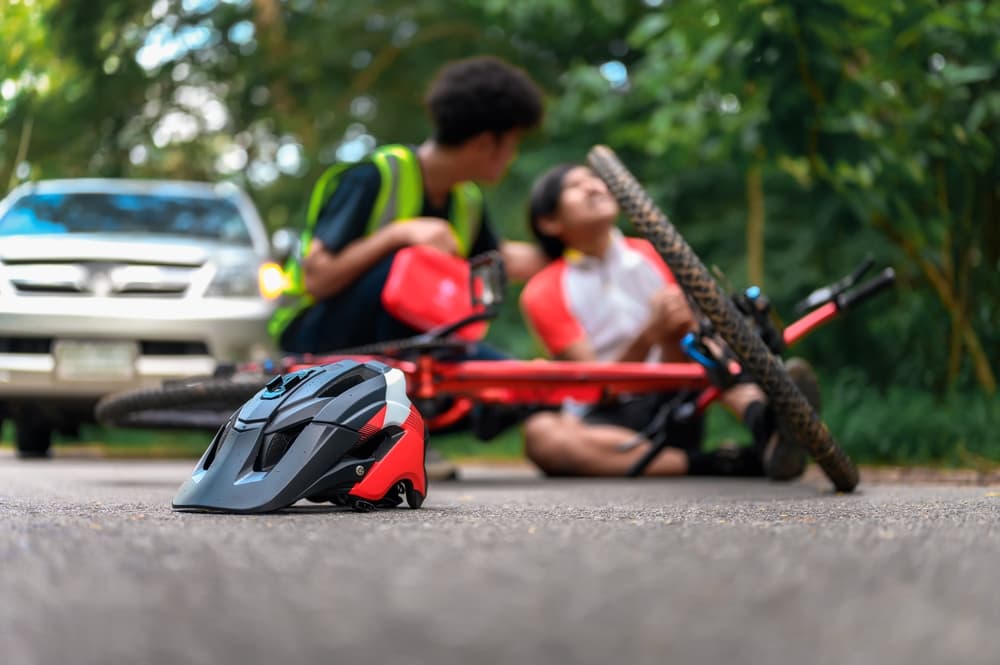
882	281
789	403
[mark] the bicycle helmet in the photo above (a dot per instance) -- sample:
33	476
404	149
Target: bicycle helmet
344	432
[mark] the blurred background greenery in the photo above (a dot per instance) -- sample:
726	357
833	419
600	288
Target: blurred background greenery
786	139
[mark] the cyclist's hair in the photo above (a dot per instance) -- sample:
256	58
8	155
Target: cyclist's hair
544	202
482	94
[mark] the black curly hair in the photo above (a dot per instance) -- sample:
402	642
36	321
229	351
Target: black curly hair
544	202
476	95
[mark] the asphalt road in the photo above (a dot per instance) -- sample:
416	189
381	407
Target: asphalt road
502	567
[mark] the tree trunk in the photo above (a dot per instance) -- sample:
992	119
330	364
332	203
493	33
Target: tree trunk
22	149
952	302
755	226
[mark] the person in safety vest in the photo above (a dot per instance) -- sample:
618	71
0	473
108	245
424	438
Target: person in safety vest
609	297
361	214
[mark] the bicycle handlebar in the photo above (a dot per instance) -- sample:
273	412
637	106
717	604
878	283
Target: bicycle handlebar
882	281
832	291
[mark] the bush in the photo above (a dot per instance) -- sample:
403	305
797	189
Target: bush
897	425
902	425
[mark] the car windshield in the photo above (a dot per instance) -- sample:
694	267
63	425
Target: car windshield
216	219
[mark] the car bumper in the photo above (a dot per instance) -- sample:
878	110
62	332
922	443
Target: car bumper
171	339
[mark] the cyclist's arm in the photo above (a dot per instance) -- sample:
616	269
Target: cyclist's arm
328	273
521	260
637	351
341	250
640	347
670	319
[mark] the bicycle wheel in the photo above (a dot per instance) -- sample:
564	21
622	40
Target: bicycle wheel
201	404
788	402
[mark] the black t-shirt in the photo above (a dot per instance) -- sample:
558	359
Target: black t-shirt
344	217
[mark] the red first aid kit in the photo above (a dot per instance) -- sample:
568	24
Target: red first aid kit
427	288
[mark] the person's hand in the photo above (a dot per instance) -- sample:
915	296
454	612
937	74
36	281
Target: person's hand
431	231
670	313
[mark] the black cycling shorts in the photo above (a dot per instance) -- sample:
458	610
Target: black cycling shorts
637	412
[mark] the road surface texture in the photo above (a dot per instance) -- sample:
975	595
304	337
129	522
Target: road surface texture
501	567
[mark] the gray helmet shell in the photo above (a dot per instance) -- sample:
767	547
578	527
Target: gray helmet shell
344	432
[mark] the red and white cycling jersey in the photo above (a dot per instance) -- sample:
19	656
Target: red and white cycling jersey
602	300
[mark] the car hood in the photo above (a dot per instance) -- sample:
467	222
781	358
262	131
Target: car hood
132	248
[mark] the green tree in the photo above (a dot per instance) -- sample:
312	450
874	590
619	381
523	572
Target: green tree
885	114
818	129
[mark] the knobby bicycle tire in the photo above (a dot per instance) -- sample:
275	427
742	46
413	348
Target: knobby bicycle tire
203	404
692	275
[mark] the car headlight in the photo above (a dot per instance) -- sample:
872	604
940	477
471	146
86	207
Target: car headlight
233	282
271	280
240	282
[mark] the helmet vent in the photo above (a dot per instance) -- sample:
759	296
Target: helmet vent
213	447
276	445
347	380
378	444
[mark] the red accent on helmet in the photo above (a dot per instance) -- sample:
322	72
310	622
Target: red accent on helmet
373	425
405	461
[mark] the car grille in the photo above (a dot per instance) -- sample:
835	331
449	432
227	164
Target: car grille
43	345
173	348
100	279
25	344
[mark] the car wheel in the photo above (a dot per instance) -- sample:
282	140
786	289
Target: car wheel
33	434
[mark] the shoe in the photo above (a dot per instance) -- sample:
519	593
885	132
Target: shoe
438	468
729	459
784	457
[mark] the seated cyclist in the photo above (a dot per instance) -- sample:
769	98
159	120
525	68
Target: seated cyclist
360	215
609	297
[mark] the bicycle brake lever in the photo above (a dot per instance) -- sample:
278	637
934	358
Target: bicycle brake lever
883	280
827	293
694	350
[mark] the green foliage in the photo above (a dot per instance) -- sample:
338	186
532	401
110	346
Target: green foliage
901	425
107	442
875	126
508	446
894	129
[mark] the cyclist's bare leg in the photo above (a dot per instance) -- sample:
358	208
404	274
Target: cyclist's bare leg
737	398
562	444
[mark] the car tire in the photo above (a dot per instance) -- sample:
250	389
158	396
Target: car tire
33	434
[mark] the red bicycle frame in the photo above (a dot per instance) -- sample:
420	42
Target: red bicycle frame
552	382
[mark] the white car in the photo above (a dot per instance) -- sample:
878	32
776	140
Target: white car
110	284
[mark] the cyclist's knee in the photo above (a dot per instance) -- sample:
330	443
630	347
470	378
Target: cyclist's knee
548	442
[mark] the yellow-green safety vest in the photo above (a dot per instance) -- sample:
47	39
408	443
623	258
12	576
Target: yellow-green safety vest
400	197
